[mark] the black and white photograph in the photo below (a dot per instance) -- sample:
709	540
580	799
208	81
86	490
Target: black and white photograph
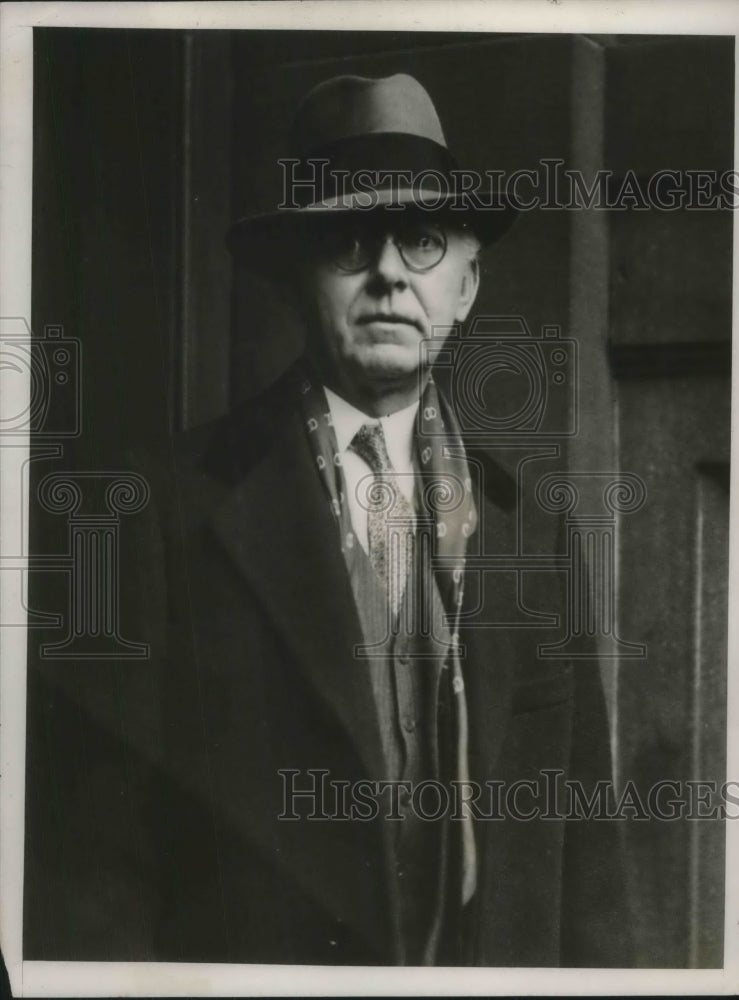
366	458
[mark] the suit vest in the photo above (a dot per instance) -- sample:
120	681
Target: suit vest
406	661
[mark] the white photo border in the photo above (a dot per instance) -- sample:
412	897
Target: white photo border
38	979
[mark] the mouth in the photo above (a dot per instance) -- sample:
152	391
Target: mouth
387	319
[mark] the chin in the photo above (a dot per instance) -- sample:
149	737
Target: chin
389	361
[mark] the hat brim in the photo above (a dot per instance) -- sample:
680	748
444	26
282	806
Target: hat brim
259	241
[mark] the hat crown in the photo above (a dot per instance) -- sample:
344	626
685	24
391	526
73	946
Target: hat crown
349	106
381	145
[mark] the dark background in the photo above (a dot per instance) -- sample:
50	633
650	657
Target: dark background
148	143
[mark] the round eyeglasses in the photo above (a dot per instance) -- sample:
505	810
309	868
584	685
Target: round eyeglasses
351	246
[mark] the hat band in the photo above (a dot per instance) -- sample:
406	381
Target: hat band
382	161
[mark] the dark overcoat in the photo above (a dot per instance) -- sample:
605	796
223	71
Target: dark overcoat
234	577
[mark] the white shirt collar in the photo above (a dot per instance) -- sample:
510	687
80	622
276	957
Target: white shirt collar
398	428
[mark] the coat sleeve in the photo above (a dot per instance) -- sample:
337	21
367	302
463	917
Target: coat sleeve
93	731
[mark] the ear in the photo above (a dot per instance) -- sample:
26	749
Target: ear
468	291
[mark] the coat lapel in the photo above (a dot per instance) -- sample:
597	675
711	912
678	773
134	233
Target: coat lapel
490	653
276	526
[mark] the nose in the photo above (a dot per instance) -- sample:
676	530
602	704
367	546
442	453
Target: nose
388	266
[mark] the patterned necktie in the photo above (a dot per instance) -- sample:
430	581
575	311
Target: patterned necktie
390	518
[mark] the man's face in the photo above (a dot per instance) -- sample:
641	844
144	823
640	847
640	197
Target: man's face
377	286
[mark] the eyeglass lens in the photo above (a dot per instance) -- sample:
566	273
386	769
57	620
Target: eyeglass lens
352	246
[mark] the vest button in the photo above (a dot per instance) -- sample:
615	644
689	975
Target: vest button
409	723
404	659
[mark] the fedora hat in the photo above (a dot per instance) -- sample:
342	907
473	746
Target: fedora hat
360	144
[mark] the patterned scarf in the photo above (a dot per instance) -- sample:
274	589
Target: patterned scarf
444	494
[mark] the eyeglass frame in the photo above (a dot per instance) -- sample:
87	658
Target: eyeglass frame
397	241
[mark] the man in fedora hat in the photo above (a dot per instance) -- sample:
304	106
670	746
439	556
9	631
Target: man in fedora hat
334	723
